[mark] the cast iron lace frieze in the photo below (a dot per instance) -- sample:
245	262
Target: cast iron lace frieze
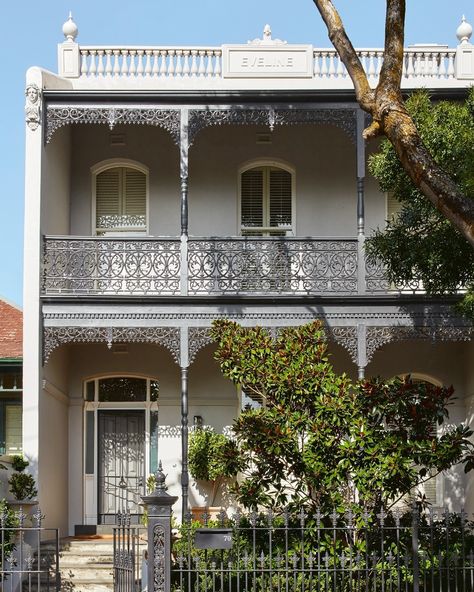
168	337
58	116
199	119
200	337
380	336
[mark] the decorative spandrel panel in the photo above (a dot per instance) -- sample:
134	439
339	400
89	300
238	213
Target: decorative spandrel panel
58	116
272	117
111	266
262	266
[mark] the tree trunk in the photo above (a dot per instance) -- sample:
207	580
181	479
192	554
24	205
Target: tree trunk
391	118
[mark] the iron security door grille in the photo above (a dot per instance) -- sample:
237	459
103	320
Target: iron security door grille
121	463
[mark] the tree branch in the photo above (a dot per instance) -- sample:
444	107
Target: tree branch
391	118
435	184
347	53
392	67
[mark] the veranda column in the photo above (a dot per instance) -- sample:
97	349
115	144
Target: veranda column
360	172
361	350
184	423
183	170
360	124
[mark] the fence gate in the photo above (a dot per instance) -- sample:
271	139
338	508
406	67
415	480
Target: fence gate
129	555
29	553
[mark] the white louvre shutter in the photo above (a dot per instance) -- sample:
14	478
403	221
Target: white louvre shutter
134	193
13	428
393	207
280	198
121	200
252	198
108	194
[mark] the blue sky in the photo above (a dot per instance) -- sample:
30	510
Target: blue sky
30	30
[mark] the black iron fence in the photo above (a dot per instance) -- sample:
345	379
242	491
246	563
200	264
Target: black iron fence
404	550
29	553
342	551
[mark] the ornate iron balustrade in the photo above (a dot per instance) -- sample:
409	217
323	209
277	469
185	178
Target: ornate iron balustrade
272	266
111	266
377	282
214	266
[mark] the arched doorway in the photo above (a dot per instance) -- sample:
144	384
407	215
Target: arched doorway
120	444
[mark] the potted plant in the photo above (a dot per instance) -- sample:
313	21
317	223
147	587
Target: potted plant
211	457
22	485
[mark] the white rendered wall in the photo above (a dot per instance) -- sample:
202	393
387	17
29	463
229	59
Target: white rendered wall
55	184
53	442
323	157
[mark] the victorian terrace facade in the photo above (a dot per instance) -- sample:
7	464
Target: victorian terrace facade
170	186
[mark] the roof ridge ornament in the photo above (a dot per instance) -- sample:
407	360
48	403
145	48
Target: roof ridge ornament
464	31
267	38
70	29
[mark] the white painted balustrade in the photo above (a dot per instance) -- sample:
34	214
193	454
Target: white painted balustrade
149	62
417	63
266	61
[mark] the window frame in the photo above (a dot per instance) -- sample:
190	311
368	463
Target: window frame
113	163
266	163
4	402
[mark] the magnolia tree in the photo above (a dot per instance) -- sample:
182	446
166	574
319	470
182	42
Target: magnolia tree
321	440
391	118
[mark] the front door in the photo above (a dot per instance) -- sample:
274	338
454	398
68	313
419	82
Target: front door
121	463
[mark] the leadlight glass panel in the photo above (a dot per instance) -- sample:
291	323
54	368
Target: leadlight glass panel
154	390
122	389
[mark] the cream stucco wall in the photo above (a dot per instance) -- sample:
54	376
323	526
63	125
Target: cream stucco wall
56	185
323	158
53	442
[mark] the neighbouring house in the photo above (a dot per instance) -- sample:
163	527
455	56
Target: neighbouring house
11	389
170	186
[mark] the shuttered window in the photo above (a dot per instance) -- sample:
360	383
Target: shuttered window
13	429
266	202
10	426
393	207
121	201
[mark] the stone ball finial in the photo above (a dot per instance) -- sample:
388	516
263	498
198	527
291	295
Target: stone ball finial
464	31
70	29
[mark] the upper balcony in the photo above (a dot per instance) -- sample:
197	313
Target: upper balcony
261	64
223	266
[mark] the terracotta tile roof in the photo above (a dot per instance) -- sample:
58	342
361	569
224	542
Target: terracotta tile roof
11	331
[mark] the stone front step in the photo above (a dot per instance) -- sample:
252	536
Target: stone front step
85	565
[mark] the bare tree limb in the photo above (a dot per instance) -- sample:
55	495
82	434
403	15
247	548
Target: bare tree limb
347	53
391	118
392	67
